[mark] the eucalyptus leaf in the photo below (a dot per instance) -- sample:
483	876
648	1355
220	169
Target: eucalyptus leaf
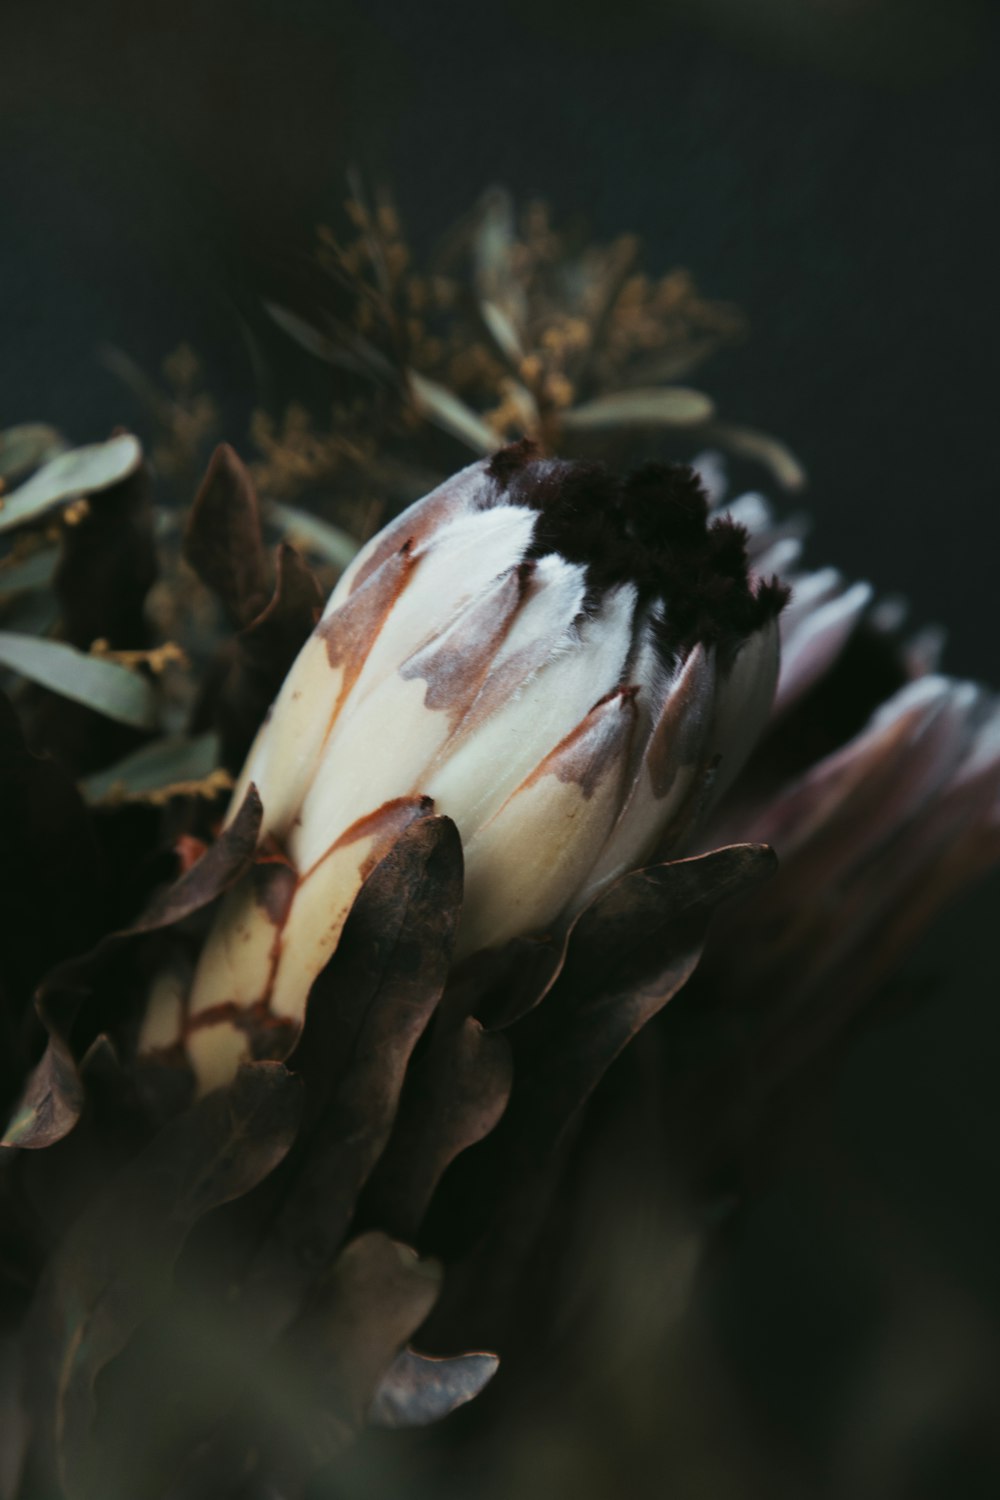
344	347
492	243
26	446
105	686
650	406
503	332
674	363
450	413
760	447
493	240
317	536
34	572
80	471
171	761
31	612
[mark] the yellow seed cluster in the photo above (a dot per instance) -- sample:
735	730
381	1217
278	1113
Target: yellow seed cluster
157	659
295	455
208	787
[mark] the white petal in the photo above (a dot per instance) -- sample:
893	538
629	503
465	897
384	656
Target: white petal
779	558
710	467
751	511
984	754
672	759
385	744
474	780
523	867
809	591
288	746
454	565
744	703
456	496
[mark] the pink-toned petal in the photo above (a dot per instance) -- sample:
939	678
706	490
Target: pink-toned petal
810	644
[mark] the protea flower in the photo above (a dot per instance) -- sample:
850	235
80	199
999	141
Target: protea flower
570	667
571	682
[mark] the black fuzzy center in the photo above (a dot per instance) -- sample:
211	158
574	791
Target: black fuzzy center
651	529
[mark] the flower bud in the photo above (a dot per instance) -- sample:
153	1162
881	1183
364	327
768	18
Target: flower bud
567	665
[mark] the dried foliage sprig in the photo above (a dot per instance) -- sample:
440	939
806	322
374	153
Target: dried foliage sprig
300	1096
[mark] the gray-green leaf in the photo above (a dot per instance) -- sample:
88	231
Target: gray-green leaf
105	686
164	763
34	572
649	406
343	347
450	413
80	471
26	446
316	536
760	447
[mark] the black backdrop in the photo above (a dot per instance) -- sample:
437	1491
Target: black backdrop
830	166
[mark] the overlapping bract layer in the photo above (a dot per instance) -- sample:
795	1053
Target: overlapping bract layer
878	817
567	666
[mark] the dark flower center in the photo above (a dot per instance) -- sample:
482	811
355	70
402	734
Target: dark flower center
651	529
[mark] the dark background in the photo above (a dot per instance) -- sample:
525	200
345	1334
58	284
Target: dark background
828	165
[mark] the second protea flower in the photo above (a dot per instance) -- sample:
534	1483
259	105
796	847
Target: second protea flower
568	665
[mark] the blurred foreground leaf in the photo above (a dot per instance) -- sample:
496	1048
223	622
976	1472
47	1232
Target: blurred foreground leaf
34	572
314	535
105	686
175	761
26	446
81	471
114	1267
449	412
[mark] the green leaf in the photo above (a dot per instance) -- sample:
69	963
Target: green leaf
315	535
503	332
450	413
760	447
27	446
80	471
105	686
342	346
164	763
34	572
650	406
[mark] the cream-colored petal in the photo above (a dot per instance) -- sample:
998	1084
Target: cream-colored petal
384	747
462	494
451	567
163	1022
478	774
288	746
523	867
215	1052
238	955
744	700
672	760
324	898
